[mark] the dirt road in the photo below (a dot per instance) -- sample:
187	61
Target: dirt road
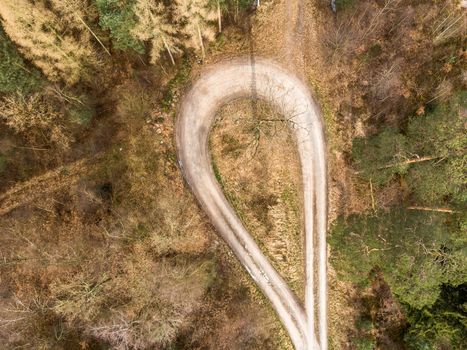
263	79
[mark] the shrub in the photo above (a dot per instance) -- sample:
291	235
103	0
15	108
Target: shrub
81	115
35	118
344	4
364	343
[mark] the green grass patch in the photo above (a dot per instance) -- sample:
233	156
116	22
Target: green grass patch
342	5
3	162
174	85
15	75
217	174
81	115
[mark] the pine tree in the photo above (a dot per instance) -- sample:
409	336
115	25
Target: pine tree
440	134
429	155
417	251
70	10
197	18
381	156
420	244
42	37
153	26
74	12
120	19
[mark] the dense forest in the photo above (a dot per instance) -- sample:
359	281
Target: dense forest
418	243
404	246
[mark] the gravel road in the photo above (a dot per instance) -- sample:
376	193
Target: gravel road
263	79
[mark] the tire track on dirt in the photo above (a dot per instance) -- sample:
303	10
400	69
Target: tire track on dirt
216	86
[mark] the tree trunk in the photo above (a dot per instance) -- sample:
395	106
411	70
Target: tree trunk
410	161
439	210
94	35
219	16
200	37
168	50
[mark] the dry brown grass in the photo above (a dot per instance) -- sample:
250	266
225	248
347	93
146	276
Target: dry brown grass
114	250
258	164
342	311
46	184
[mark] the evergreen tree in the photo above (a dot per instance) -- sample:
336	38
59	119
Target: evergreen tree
381	156
430	156
197	18
441	326
42	37
154	26
420	245
441	135
120	19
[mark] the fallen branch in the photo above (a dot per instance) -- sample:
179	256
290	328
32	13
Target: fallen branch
372	196
439	210
406	162
410	161
42	186
94	35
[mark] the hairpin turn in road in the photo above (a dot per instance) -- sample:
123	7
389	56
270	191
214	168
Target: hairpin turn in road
263	79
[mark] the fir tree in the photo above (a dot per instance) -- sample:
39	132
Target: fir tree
154	27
